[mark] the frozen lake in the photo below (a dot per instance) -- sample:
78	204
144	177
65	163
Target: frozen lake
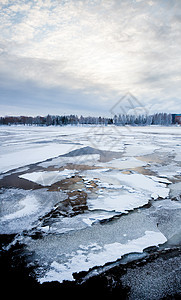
90	195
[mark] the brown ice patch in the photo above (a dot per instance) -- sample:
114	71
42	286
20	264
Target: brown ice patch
150	158
143	171
72	183
75	183
14	181
76	201
127	172
74	204
70	166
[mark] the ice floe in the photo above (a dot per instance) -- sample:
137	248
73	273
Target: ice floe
48	178
66	224
122	192
119	201
21	210
170	170
33	154
123	163
94	255
75	244
141	149
27	206
175	190
58	162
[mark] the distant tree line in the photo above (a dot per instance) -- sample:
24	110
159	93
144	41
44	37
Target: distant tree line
120	120
144	120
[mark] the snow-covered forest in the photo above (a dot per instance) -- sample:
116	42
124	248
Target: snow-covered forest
121	120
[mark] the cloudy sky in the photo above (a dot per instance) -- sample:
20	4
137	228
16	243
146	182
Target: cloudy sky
82	56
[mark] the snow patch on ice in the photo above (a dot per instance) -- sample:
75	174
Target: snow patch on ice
160	179
122	192
28	205
120	201
66	224
175	190
58	162
48	178
83	260
140	149
169	171
167	204
178	155
21	209
123	163
21	157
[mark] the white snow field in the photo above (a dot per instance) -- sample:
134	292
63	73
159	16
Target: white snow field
131	179
27	145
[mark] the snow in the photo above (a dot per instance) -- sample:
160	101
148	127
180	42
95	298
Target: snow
81	242
65	224
145	183
89	160
21	157
178	155
141	149
170	170
129	230
97	256
123	163
23	145
118	202
93	217
28	205
175	190
160	179
48	178
123	192
21	210
167	204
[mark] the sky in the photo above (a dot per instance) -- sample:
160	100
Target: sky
83	56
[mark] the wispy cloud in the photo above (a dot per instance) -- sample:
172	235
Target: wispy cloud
102	48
